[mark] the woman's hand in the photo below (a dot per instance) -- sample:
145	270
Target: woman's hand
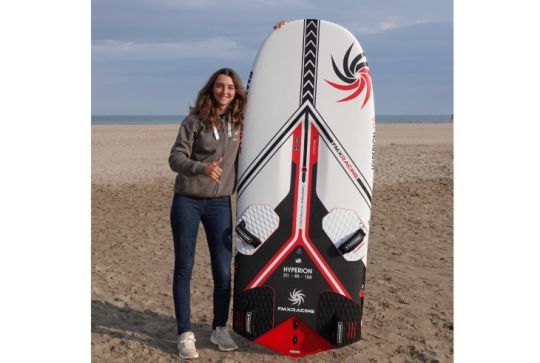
280	24
213	170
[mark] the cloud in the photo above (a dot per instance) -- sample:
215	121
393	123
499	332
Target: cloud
389	22
217	47
281	3
226	4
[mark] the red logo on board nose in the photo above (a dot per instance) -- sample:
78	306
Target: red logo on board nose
356	76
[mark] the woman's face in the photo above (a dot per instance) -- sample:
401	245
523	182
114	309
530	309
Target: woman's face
224	91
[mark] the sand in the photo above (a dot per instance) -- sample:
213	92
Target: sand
409	301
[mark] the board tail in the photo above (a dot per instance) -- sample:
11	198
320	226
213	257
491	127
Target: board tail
339	323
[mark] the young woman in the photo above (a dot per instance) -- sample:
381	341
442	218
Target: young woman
204	156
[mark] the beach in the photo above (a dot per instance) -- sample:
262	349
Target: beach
408	312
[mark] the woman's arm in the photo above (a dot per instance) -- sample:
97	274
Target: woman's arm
179	159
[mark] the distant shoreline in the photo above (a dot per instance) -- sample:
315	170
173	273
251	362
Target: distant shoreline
172	119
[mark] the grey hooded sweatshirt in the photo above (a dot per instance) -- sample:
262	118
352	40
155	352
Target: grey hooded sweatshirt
196	145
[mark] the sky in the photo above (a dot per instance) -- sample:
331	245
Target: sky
151	57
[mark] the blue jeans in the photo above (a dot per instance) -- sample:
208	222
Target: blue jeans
215	215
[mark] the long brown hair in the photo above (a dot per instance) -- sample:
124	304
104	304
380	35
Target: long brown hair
206	106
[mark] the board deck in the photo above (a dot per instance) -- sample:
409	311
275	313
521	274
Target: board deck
304	191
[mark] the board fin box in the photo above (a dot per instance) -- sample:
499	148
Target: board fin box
339	319
253	313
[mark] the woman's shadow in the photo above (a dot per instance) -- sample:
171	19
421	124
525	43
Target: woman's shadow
147	327
154	330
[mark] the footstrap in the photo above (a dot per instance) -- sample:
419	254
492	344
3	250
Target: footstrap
353	241
246	235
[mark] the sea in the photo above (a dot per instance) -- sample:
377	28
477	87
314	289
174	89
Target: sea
176	119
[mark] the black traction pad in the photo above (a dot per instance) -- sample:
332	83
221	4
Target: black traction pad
254	311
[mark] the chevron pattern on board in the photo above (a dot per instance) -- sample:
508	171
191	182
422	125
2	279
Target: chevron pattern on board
309	67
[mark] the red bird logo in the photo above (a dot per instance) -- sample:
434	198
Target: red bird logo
356	76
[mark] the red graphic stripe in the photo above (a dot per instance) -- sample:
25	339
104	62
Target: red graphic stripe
354	94
289	245
344	87
274	262
327	272
367	76
363	82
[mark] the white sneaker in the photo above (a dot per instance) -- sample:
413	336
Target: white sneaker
221	337
186	346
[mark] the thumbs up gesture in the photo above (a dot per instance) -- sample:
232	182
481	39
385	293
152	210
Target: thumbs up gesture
213	170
